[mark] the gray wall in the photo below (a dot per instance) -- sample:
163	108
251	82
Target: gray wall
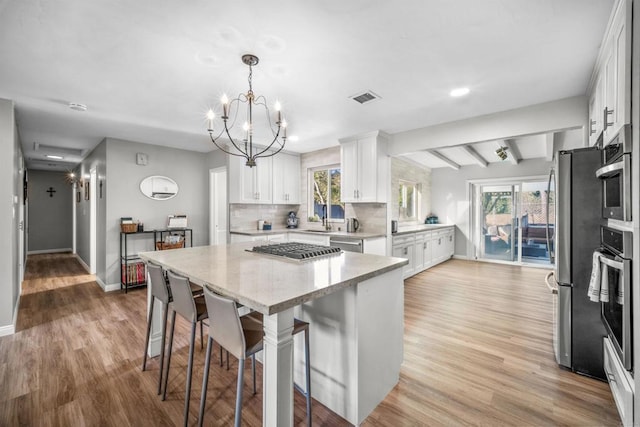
450	200
11	202
189	169
50	218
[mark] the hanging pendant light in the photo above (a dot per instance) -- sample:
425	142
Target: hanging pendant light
244	146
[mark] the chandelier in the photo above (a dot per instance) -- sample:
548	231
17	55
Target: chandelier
243	146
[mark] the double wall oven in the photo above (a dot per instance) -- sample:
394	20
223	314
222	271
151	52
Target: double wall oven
615	266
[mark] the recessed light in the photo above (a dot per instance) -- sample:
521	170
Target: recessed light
77	107
461	91
50	156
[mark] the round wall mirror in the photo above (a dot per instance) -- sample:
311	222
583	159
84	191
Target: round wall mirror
159	187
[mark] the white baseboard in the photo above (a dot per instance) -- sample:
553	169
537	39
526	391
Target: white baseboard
82	263
461	257
49	251
7	330
11	329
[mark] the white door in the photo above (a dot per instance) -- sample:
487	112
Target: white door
218	206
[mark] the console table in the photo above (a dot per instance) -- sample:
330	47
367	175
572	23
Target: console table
132	269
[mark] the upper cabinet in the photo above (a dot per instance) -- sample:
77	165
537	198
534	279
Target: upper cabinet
286	179
274	180
610	95
364	168
250	185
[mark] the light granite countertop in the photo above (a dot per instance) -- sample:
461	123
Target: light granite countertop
356	235
266	283
420	227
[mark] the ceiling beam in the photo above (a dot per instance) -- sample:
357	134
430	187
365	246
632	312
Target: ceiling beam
480	161
445	159
512	152
550	146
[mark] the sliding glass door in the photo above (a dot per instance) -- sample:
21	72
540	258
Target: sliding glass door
512	219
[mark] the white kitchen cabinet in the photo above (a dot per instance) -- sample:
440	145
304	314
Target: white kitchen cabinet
312	239
250	185
610	91
595	112
621	383
375	246
418	252
364	168
404	247
286	179
442	245
275	238
423	251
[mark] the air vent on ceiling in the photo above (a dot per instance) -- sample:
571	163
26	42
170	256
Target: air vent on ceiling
58	150
364	97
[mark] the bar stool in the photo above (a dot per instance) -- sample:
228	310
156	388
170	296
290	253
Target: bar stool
242	337
192	309
160	290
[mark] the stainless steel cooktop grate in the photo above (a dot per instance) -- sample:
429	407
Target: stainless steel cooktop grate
296	250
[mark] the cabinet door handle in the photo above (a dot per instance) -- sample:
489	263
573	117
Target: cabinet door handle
440	241
424	245
451	238
354	194
607	113
406	251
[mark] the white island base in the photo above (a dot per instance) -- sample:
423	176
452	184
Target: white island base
356	345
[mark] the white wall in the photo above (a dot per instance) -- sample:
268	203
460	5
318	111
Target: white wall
449	192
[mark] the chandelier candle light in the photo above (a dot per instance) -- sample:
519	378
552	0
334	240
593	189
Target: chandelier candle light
244	147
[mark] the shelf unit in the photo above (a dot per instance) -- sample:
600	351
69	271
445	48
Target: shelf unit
133	273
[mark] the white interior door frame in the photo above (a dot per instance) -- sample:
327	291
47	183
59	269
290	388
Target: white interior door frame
218	206
93	205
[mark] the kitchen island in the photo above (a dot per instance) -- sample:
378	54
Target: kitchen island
353	302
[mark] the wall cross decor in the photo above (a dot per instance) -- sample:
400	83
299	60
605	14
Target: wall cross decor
51	191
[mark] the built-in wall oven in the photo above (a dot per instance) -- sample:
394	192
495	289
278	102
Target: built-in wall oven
616	177
615	260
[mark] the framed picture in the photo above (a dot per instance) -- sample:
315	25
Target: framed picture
86	191
77	197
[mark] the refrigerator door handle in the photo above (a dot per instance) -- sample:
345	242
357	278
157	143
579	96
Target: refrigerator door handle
552	255
553	289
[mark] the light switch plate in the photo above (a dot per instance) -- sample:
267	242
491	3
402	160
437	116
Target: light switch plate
142	159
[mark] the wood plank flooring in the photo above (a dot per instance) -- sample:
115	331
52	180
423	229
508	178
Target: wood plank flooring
477	351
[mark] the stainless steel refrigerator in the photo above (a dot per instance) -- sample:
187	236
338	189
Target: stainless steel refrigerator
578	328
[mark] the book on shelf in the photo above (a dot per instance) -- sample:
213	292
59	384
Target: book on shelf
134	273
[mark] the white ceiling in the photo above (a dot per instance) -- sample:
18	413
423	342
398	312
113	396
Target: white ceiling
149	70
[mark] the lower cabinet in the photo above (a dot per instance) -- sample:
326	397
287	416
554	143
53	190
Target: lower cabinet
403	247
241	238
621	383
423	249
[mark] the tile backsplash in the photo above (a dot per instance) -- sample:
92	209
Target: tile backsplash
246	216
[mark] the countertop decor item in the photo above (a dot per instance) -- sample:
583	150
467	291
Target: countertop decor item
244	147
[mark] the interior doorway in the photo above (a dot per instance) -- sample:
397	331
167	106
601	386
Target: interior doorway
218	207
512	219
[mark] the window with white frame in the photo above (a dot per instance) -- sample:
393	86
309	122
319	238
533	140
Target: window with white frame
408	195
324	193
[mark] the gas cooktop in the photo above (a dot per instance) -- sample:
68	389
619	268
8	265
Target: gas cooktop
296	250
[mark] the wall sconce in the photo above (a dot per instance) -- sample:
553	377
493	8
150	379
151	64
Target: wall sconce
502	153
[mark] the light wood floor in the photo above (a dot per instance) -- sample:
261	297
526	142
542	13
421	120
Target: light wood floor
477	352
